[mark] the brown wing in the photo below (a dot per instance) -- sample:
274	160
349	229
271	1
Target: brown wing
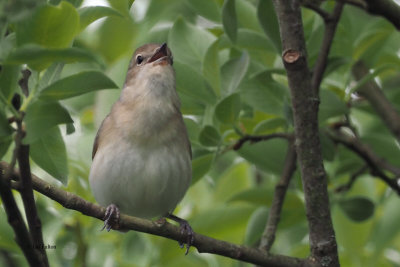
183	128
97	139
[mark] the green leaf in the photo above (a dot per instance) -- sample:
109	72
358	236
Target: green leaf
90	14
5	128
264	94
116	36
211	69
9	75
226	222
252	40
189	43
209	136
228	109
74	85
233	72
268	156
206	8
41	117
270	126
192	84
256	226
193	129
50	154
50	26
234	179
269	22
357	208
40	58
328	147
7	44
200	166
257	196
5	143
229	19
51	74
331	106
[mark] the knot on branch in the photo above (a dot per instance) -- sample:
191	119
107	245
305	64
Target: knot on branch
290	56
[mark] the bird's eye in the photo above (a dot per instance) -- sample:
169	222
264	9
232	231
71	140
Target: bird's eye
139	59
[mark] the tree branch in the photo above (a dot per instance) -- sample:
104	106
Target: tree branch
385	8
305	105
274	215
374	94
34	223
375	163
258	138
353	178
16	221
331	23
317	9
203	243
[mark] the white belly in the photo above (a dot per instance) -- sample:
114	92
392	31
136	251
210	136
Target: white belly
143	182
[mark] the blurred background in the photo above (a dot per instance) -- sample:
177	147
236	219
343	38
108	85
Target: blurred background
231	83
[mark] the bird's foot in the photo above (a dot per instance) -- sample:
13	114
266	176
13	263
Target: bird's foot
186	229
111	218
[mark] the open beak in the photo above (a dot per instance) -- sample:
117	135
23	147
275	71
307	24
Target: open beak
161	52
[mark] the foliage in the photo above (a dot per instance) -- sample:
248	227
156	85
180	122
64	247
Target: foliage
227	57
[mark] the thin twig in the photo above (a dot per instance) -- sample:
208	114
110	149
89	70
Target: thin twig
374	162
324	14
258	138
375	96
268	236
346	187
203	243
331	23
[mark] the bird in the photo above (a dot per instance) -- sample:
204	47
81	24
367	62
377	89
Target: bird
141	159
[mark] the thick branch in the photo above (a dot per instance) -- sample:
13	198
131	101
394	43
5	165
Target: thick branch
375	163
203	243
305	112
374	94
385	8
34	223
16	221
274	215
331	23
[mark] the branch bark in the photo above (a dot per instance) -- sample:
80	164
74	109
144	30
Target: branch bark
274	216
305	110
385	8
34	223
374	94
16	221
203	243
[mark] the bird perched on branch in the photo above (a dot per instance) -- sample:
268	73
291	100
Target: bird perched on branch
142	154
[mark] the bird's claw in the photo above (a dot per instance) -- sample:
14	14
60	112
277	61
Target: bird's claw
187	230
111	218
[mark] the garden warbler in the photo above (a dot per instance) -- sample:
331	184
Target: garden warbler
142	154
